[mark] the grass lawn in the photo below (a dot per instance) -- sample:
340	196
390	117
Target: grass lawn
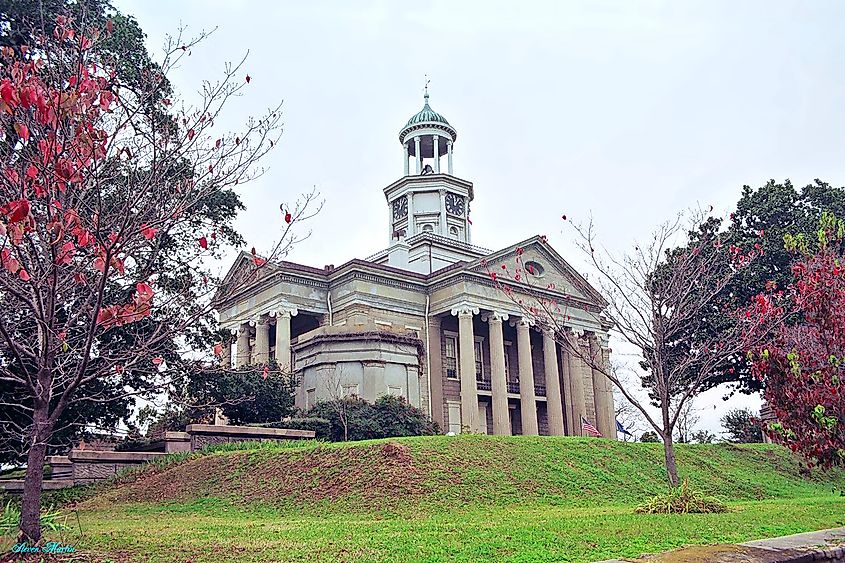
211	530
445	499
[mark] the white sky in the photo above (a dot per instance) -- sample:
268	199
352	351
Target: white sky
630	111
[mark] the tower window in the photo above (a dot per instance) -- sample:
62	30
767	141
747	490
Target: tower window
453	231
428	228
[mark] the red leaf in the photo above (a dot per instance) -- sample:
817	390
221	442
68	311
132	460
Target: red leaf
22	131
109	26
19	210
157	361
248	79
259	261
266	372
203	243
218	349
190	134
23	275
148	232
288	217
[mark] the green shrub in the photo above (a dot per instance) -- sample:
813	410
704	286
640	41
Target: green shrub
681	500
388	417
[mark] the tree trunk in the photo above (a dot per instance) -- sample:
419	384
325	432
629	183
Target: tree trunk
669	455
30	528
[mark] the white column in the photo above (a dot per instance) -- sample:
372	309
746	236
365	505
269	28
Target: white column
599	388
449	152
587	378
436	154
470	419
242	352
577	382
609	413
418	155
528	405
283	339
444	231
226	356
554	403
498	378
405	151
412	226
566	369
262	340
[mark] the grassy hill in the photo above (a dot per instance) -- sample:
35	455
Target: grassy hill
465	470
465	498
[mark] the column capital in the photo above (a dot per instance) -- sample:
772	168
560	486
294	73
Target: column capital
549	333
442	191
494	317
523	322
448	142
464	310
284	312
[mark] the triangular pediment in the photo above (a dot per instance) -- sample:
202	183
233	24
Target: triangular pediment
242	273
550	272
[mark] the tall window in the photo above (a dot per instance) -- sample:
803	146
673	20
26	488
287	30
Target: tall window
450	361
479	362
507	361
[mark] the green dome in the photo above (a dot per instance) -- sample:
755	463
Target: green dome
426	115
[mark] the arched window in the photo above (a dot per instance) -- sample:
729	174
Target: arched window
428	228
453	231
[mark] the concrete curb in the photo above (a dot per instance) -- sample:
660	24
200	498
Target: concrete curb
824	545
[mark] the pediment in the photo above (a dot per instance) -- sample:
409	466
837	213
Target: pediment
557	275
242	273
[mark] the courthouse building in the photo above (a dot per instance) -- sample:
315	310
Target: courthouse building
423	318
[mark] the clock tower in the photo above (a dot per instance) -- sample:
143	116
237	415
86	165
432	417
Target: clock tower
429	199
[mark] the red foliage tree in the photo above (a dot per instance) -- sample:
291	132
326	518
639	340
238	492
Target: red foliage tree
802	364
96	178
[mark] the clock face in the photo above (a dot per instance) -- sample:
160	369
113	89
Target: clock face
400	208
455	204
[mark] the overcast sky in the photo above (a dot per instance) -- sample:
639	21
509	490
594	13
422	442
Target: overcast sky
629	111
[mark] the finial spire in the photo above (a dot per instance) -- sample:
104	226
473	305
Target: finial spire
427	80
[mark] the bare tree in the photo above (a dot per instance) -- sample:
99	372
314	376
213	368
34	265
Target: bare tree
657	296
688	417
98	177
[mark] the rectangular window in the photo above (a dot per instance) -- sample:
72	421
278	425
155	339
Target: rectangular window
394	391
507	361
450	360
310	398
479	361
350	389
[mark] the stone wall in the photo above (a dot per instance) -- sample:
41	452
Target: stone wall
82	467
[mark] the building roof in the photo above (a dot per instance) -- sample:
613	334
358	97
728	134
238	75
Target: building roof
426	115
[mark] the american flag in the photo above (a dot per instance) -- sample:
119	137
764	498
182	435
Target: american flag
589	428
